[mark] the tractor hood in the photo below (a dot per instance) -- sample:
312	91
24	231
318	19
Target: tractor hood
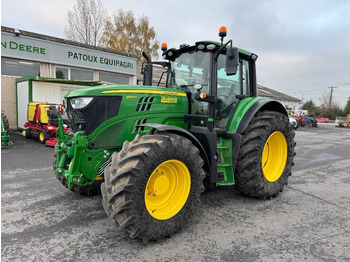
96	108
110	90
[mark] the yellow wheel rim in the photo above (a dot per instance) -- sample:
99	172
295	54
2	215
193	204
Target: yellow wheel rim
41	136
167	189
274	156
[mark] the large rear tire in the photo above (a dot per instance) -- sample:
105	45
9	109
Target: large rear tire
153	185
266	155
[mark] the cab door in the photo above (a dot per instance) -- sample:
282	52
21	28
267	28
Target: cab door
231	89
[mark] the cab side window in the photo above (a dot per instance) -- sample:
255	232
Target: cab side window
245	77
228	87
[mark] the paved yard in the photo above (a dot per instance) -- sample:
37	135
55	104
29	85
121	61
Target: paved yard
309	221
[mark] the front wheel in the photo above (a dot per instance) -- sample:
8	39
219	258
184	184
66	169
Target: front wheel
43	136
266	155
153	185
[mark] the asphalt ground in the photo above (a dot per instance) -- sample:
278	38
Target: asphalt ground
310	221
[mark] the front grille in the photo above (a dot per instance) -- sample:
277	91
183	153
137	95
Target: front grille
99	110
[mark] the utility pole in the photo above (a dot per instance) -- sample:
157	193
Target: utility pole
330	99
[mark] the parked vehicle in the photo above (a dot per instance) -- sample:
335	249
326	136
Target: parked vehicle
311	121
341	121
43	122
307	120
322	120
294	122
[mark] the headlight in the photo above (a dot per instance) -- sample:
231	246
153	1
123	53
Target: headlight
80	102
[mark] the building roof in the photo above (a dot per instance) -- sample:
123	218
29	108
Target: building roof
63	41
267	92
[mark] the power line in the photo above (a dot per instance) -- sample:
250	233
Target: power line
317	89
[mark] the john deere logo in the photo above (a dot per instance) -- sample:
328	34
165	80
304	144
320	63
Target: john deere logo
170	100
22	47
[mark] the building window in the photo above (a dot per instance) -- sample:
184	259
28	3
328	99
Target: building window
79	74
14	67
114	78
61	73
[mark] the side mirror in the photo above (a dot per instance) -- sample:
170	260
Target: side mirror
231	61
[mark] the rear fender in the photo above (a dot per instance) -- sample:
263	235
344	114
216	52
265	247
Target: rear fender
247	109
261	105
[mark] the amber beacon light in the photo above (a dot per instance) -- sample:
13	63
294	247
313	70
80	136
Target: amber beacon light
223	31
164	47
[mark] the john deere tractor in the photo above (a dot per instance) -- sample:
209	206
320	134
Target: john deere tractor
152	149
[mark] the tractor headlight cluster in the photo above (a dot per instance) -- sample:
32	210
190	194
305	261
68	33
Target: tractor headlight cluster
206	45
80	102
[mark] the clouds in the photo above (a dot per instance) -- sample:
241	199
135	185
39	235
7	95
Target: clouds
39	16
302	45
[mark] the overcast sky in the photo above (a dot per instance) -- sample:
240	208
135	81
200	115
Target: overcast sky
303	45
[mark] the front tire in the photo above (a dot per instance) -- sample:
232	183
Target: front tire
43	136
266	155
153	185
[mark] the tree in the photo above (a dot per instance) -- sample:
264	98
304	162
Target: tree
309	106
86	22
329	110
347	107
125	33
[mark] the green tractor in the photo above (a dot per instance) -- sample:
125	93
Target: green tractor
152	149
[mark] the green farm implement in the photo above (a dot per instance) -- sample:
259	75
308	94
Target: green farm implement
5	127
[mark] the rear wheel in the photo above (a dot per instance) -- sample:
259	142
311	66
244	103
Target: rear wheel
266	155
28	135
153	185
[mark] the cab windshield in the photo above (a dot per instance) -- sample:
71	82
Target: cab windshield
190	69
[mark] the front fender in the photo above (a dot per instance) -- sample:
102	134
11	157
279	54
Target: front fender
181	132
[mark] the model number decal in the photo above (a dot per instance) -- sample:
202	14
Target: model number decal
172	100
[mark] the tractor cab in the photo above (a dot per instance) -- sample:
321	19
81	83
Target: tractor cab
215	77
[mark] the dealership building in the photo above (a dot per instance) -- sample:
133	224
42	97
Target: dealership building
74	65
